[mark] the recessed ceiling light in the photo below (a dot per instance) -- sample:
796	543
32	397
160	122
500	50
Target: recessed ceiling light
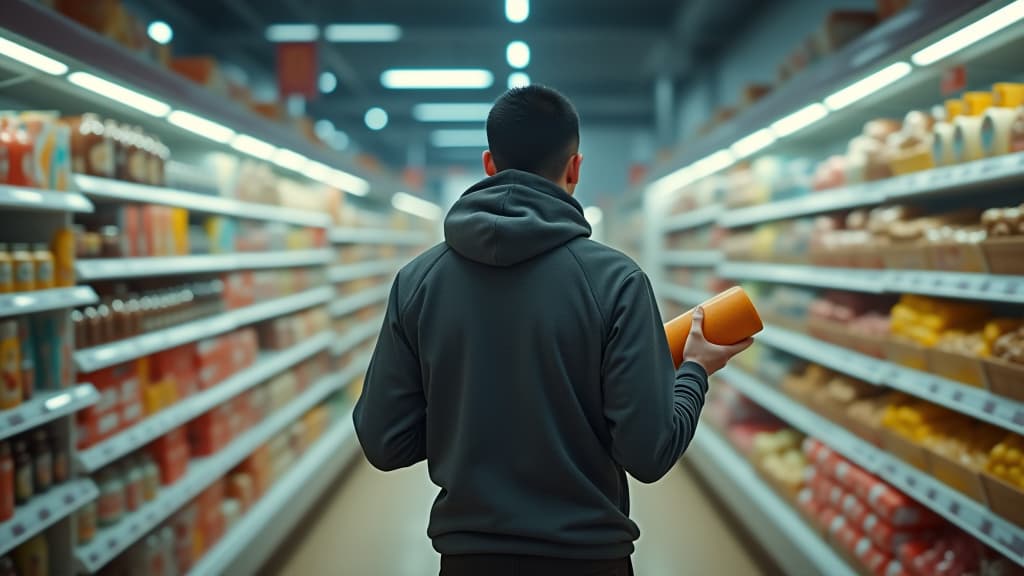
518	54
324	129
518	80
425	78
459	138
517	11
327	82
452	112
362	33
160	32
292	33
31	58
376	118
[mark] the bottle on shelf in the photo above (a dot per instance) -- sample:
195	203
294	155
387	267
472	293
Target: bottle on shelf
10	365
44	272
42	461
6	481
27	357
64	258
24	486
6	270
24	268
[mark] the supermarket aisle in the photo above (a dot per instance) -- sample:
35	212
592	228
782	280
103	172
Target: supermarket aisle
376	525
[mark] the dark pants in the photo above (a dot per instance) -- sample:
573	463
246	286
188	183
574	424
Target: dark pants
512	565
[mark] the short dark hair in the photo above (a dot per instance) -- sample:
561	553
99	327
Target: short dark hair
534	129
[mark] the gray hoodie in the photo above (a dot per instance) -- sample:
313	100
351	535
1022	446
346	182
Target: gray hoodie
528	365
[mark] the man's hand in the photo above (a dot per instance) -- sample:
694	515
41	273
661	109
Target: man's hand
712	357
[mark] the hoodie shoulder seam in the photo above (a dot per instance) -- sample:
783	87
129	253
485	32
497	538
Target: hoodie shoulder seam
590	286
404	306
494	223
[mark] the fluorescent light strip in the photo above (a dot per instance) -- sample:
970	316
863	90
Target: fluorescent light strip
868	86
454	112
749	145
458	138
119	93
517	11
292	33
517	53
518	80
348	183
362	33
290	160
318	171
253	147
712	163
201	126
970	34
32	58
416	206
799	120
671	182
425	78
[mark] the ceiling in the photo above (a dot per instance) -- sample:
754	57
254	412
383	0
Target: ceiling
603	54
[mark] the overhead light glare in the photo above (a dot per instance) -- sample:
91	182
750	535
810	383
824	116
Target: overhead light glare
518	54
750	145
283	33
712	163
452	112
362	33
253	147
327	82
799	120
593	214
426	78
201	126
458	138
376	118
349	183
318	171
119	93
290	160
416	206
32	58
517	11
518	80
970	34
160	32
868	86
671	182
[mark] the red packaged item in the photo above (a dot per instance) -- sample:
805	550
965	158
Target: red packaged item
872	558
844	534
105	418
855	510
171	453
210	432
213	361
16	153
899	509
887	537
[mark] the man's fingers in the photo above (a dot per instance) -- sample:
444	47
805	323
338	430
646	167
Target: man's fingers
740	346
697	326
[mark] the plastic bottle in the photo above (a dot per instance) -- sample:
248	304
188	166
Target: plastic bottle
85	523
61	465
43	266
10	365
23	466
64	258
42	461
24	269
33	557
28	360
729	318
6	482
6	271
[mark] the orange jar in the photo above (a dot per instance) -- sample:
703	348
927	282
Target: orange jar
729	318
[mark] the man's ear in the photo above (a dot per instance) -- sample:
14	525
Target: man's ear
489	168
572	175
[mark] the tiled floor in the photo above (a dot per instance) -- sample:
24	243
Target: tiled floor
376	526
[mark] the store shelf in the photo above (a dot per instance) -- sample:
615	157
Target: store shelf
377	236
103	356
347	272
245	548
796	547
683	294
984	173
975	402
969	515
691	258
46	406
152	427
35	200
359	300
118	190
202	472
20	303
820	277
356	336
692	219
44	511
970	286
123	268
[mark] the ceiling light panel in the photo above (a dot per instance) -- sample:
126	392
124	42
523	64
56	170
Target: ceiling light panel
201	126
518	80
452	112
32	58
416	206
292	33
517	11
458	138
436	78
119	93
868	86
362	33
799	120
970	34
517	53
253	147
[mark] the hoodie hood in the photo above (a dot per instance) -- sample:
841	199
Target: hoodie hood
512	217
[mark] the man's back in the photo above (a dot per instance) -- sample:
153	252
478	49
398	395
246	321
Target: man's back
527	364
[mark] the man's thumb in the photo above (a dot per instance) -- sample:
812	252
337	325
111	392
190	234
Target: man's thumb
698	322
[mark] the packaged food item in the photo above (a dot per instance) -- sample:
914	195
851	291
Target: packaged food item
111	501
52	150
6	271
16	149
24	268
61	465
6	481
92	150
10	365
729	318
42	461
998	123
63	249
33	557
23	473
133	493
85	522
44	269
49	333
27	356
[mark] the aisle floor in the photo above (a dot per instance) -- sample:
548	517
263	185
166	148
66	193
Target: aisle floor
375	524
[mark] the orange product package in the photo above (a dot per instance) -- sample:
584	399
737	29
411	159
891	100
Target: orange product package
729	318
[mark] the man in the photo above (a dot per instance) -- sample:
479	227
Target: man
528	365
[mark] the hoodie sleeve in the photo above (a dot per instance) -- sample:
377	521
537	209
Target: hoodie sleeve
652	410
390	417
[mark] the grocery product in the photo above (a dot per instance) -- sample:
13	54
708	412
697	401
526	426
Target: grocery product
6	481
729	318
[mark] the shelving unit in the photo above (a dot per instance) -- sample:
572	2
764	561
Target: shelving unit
969	515
45	407
348	272
691	258
377	236
21	303
123	268
44	511
348	304
795	546
356	336
202	472
33	200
